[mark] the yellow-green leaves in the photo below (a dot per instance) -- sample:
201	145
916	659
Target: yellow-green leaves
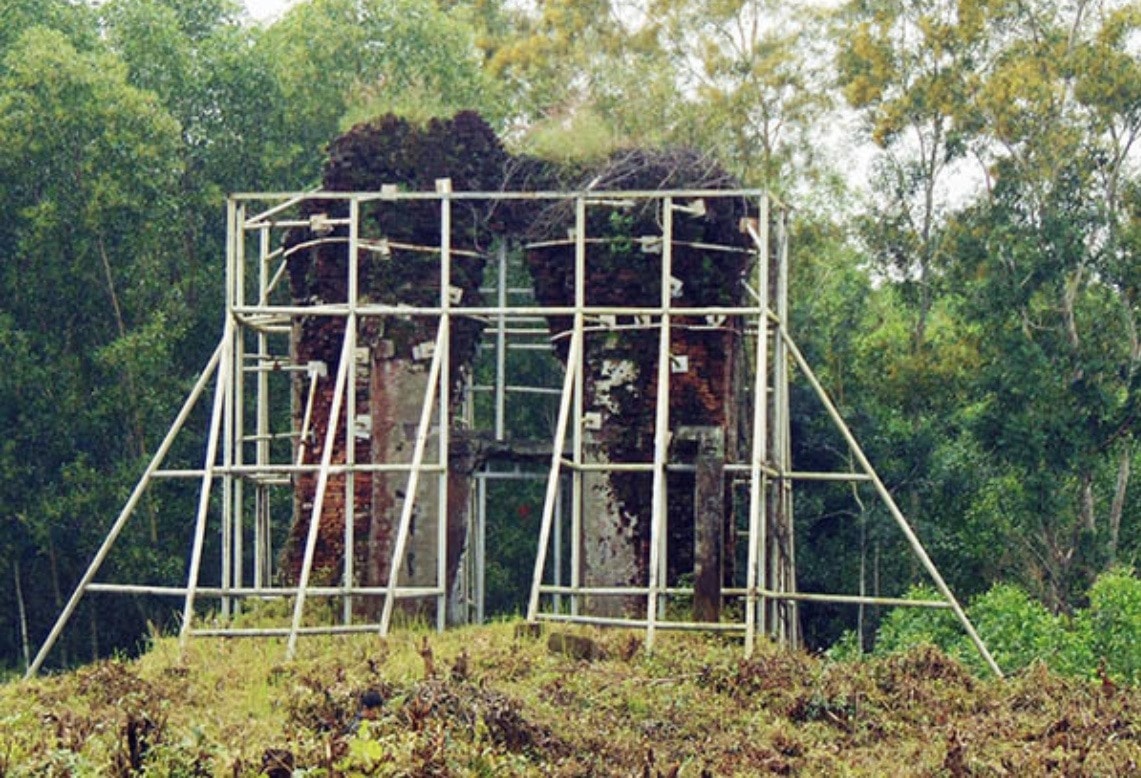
73	128
339	61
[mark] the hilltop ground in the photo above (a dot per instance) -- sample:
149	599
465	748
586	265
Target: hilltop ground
497	701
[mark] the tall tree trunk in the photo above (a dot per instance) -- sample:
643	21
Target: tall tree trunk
137	435
57	593
1089	520
1117	507
23	611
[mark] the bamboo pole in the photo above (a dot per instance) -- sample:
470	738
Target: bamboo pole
348	574
758	529
658	500
231	488
322	487
790	620
262	535
574	359
501	344
577	479
444	188
413	485
216	420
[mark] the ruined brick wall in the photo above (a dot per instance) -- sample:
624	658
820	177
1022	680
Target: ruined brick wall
321	340
391	372
621	364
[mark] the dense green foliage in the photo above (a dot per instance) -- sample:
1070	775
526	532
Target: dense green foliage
972	306
1098	641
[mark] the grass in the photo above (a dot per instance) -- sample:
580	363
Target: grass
486	701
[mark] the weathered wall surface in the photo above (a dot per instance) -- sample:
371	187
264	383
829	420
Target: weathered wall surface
620	358
320	340
620	362
392	373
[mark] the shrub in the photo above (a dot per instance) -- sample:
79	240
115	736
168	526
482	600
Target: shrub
846	649
1019	631
905	627
1016	629
1114	619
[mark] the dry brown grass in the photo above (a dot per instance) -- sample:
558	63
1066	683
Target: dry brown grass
500	704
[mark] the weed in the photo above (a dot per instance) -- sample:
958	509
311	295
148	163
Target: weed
498	704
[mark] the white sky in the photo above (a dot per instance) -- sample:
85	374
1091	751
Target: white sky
267	10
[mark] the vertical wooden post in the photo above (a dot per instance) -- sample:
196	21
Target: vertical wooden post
709	524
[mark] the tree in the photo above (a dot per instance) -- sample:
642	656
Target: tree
208	72
73	20
741	80
88	162
1065	141
750	75
342	61
19	400
1041	96
911	69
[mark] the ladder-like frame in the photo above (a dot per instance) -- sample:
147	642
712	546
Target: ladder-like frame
261	319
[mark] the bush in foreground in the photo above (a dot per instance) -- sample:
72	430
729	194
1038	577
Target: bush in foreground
1098	641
